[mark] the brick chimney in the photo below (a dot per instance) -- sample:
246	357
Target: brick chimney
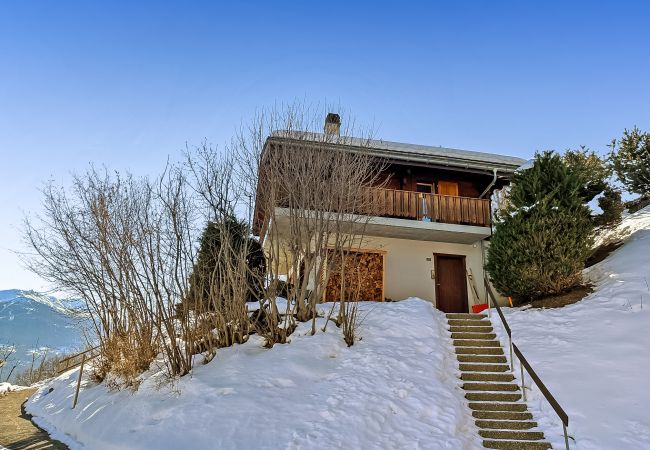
332	125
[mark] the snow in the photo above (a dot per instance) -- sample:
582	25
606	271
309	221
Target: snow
395	388
8	387
594	355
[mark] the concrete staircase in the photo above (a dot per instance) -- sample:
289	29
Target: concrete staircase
493	397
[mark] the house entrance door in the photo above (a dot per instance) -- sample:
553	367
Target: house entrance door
451	286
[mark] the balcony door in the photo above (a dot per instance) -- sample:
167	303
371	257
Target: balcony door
451	286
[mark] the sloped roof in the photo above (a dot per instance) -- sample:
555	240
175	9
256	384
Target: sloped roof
414	153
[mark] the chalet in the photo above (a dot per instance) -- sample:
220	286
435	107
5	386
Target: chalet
428	236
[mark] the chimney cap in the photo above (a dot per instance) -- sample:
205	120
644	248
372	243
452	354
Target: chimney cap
333	118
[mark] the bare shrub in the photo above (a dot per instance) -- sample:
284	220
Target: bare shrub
7	365
129	246
311	200
42	367
125	246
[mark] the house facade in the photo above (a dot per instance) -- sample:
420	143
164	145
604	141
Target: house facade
428	230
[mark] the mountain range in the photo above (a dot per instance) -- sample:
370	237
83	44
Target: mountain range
35	323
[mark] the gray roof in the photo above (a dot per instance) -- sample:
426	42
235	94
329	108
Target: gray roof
414	153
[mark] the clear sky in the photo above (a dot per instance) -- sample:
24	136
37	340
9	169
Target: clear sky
128	85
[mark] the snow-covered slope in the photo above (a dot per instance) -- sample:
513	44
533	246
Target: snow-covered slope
35	322
396	388
594	355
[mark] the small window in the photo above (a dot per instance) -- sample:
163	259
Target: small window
424	187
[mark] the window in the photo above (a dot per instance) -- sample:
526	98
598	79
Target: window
424	187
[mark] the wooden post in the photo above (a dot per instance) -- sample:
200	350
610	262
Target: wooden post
81	371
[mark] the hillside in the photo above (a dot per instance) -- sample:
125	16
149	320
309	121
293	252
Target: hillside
34	322
594	355
396	386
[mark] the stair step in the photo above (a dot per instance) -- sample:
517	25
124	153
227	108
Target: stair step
480	376
492	397
484	367
505	424
469	323
479	351
494	359
456	329
463	316
484	336
502	415
492	406
490	387
516	445
512	435
476	343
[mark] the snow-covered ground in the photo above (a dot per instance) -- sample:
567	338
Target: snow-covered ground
8	387
594	355
396	388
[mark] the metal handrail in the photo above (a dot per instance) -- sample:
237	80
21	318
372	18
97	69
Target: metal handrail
524	364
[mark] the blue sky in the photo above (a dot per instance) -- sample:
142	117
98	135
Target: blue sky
128	85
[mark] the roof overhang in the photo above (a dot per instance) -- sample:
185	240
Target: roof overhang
446	158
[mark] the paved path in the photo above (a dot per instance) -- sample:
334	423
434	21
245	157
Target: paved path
17	432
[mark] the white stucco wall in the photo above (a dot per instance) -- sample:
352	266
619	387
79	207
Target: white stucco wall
408	266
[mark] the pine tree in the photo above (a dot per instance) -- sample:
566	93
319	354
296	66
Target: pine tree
590	169
213	258
630	159
543	236
612	206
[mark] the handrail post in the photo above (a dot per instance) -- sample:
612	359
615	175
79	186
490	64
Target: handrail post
512	361
566	437
523	388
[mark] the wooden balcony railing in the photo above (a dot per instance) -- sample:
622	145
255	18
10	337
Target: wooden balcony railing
437	208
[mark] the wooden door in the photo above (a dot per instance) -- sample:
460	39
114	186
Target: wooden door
451	286
448	188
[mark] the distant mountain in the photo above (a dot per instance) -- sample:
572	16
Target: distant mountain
31	321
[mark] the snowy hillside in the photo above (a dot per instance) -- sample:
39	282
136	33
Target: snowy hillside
594	355
34	322
396	388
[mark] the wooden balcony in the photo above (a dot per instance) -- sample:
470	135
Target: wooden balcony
433	207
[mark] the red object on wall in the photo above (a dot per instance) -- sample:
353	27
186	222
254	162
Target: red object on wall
478	308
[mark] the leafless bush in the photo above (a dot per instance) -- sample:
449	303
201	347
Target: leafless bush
42	367
125	246
129	246
310	201
7	365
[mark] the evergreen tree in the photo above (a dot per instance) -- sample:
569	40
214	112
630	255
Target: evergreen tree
221	244
630	159
543	236
612	206
590	169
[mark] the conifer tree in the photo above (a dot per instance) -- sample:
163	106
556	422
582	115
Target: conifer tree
590	169
630	159
221	243
542	237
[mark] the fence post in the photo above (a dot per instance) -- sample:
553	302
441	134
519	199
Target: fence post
81	370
